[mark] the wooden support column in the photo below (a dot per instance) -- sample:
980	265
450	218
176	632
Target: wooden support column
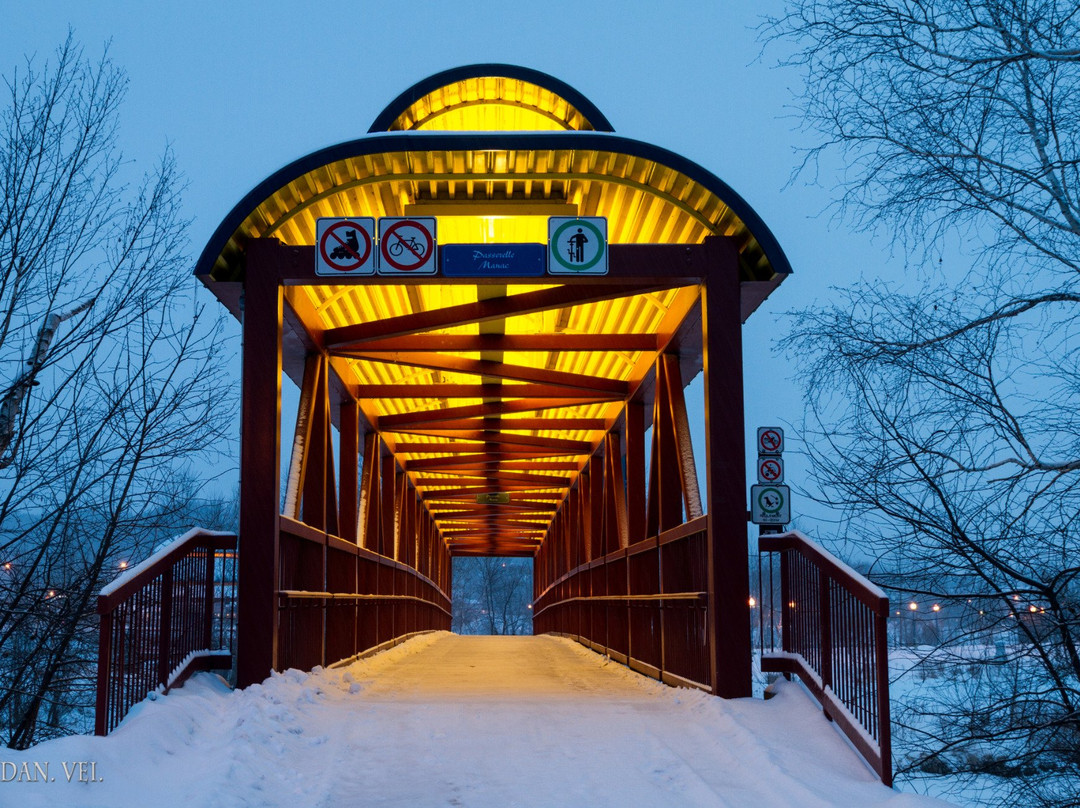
260	469
635	471
313	500
725	461
369	494
349	464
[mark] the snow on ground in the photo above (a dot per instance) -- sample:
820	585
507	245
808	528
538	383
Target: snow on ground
441	720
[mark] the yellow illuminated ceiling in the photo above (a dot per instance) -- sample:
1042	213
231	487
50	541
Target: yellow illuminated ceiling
511	404
474	194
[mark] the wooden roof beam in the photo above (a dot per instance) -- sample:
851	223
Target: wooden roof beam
497	308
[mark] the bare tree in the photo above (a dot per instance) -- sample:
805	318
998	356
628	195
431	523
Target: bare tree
491	595
111	380
945	423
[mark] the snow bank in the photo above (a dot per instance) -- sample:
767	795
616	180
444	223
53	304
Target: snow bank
466	721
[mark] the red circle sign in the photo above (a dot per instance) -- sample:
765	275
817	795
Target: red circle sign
406	245
341	249
769	470
769	440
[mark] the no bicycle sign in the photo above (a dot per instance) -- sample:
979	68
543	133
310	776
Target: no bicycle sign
407	246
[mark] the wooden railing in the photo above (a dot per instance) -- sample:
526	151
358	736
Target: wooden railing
163	619
831	626
344	600
643	605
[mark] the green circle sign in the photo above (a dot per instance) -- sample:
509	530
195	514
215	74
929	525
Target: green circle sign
580	223
770	500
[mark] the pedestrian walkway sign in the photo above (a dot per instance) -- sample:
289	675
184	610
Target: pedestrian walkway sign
577	245
345	246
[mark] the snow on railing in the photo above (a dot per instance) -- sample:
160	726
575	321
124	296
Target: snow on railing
164	618
831	622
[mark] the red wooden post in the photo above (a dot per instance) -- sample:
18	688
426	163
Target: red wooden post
105	659
260	468
348	463
881	659
725	460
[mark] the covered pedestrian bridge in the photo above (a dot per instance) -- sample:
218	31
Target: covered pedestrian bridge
497	407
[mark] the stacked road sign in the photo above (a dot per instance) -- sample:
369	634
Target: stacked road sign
770	500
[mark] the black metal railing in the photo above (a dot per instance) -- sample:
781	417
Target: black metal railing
163	619
827	624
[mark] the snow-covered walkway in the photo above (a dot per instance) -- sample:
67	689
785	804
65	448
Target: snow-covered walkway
459	721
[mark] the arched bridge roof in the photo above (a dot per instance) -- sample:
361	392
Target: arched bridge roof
464	147
443	100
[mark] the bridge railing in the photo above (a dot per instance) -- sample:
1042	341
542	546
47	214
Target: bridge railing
642	605
343	601
827	624
163	619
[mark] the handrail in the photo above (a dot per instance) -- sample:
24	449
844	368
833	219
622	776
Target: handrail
158	621
303	594
833	628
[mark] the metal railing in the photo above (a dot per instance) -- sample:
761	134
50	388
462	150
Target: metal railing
832	627
163	619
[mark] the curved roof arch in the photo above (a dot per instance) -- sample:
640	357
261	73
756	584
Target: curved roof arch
648	193
554	103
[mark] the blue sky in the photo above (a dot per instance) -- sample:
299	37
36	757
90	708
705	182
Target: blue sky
239	89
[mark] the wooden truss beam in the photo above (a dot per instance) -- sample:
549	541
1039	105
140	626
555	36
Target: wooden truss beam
482	311
386	423
493	390
487	367
510	343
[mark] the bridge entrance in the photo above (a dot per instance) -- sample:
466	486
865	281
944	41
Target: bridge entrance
496	412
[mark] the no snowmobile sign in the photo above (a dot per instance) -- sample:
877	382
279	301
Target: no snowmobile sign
345	246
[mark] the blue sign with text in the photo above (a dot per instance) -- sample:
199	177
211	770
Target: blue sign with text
494	260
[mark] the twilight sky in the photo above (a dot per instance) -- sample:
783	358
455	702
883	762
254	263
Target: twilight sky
240	88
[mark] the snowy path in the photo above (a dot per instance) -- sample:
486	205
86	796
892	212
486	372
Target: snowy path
461	721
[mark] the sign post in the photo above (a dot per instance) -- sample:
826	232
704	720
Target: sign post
770	501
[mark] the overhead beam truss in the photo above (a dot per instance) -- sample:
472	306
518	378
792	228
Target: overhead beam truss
411	488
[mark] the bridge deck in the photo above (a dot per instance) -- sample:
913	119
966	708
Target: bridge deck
465	721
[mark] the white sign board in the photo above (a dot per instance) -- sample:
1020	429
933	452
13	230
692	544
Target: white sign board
407	246
770	440
770	469
770	504
577	246
345	246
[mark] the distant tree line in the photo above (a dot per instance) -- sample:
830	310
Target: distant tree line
492	595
